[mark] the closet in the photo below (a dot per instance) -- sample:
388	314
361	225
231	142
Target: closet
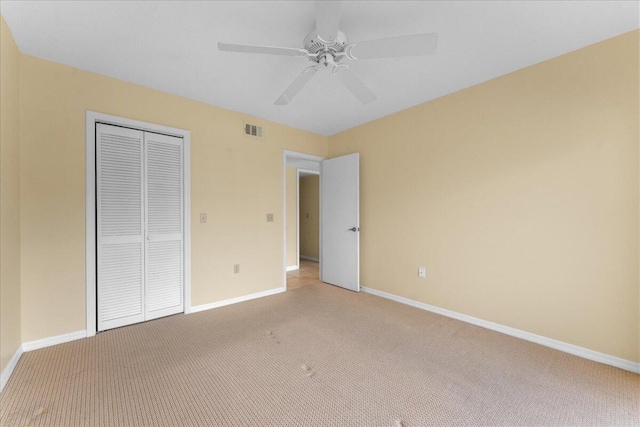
139	225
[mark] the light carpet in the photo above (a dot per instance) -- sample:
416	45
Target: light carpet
314	356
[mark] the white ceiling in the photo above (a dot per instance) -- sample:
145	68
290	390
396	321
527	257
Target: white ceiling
171	46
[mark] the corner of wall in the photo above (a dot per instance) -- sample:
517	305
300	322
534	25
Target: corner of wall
10	247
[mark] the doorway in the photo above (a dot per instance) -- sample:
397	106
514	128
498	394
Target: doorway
308	214
299	267
307	232
339	217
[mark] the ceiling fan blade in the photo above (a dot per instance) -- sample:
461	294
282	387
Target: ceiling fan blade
297	84
355	85
269	50
415	45
327	19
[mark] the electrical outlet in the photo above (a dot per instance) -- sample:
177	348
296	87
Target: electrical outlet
422	272
236	268
203	217
270	217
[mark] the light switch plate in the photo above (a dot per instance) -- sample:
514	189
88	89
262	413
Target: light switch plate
203	217
270	217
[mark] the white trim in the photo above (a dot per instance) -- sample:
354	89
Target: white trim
91	118
284	219
293	268
48	342
575	350
236	300
35	345
186	239
90	221
320	226
298	217
8	370
310	258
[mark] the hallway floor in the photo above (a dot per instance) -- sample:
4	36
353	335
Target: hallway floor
307	274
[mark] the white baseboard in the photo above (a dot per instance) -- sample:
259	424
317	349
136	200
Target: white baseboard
48	342
293	267
8	370
585	353
60	339
310	258
236	300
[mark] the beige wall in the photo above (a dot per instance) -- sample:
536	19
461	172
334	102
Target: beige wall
237	180
292	211
10	338
310	216
520	196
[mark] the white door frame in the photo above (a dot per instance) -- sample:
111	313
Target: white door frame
300	161
311	172
297	191
90	182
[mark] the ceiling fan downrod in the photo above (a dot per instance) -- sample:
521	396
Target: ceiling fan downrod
327	46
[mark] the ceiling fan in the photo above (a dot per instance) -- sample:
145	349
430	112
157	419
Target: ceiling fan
327	46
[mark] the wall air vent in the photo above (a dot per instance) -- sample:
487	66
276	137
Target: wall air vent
254	131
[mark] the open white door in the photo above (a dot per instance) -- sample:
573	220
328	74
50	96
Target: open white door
340	216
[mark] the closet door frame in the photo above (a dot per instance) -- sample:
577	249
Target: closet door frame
91	119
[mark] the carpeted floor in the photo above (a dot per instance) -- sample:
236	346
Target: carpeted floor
315	355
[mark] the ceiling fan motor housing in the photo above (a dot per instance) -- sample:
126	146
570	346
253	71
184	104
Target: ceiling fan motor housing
327	45
315	45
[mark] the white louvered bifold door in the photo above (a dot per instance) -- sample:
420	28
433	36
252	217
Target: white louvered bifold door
120	226
164	221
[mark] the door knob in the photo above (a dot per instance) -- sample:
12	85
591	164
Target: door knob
354	229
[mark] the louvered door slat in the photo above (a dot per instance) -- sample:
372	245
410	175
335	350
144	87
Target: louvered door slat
164	219
164	275
120	227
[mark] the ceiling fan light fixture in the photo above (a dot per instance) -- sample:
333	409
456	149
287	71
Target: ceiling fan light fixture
327	46
316	46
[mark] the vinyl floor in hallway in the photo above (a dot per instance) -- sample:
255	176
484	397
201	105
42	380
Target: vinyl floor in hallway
307	274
